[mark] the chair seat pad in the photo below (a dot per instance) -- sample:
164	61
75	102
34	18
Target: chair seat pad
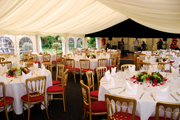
76	69
32	99
116	65
97	106
45	61
85	70
55	89
36	62
109	67
94	93
160	118
129	116
55	60
8	100
55	82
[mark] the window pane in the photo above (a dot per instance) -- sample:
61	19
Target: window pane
79	43
71	44
6	45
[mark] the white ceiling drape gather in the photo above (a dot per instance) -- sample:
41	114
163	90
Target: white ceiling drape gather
163	15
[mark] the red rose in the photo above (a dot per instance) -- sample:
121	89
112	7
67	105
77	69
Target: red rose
147	78
155	81
137	78
14	71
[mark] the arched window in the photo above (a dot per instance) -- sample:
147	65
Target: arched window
6	45
71	44
79	43
25	45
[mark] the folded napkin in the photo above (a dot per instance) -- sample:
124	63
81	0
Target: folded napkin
108	75
162	93
109	79
176	62
3	78
131	90
26	76
131	68
35	65
43	67
113	71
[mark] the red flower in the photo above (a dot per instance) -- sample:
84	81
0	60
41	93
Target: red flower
137	78
14	71
147	78
155	81
164	79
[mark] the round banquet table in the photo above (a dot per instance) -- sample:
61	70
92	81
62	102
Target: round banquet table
145	106
17	89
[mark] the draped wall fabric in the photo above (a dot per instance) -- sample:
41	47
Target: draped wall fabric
163	15
52	17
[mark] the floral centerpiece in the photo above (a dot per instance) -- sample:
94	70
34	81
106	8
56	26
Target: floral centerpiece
40	53
155	77
56	45
163	59
2	59
12	71
92	56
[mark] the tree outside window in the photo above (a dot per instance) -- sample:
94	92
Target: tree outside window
79	43
6	45
91	42
71	44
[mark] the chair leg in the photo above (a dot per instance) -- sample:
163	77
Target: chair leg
90	116
84	114
5	109
28	111
65	97
64	103
74	73
46	107
13	110
81	76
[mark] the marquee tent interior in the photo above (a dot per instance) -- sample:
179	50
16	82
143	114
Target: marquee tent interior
75	18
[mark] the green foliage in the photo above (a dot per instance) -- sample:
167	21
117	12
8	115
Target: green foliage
50	43
46	45
27	46
91	42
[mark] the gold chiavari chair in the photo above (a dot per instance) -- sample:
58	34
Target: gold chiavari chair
46	57
63	61
113	55
118	62
167	105
25	56
141	64
59	74
5	101
10	54
55	90
112	112
165	64
124	66
90	82
33	58
100	71
99	52
58	58
69	55
170	56
112	63
70	64
35	88
161	67
7	63
91	108
84	66
102	62
48	66
29	64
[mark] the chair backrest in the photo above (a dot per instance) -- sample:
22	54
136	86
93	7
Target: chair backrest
59	71
64	79
112	62
2	89
161	67
70	63
35	86
69	55
163	64
124	66
10	54
48	66
112	101
99	52
113	55
29	64
86	95
169	55
33	57
63	61
46	57
100	71
90	80
118	59
166	105
84	64
141	64
25	56
7	63
102	62
59	56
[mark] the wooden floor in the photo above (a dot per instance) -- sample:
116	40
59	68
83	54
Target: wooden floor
127	56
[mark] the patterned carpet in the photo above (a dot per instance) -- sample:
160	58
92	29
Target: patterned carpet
74	106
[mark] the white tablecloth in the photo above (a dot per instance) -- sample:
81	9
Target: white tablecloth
17	89
146	105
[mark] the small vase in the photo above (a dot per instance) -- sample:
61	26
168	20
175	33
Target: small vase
56	51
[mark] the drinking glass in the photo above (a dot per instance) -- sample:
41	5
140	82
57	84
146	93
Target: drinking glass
145	85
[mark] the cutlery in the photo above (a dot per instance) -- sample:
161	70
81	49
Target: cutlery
153	97
10	81
122	91
114	88
174	98
141	95
178	93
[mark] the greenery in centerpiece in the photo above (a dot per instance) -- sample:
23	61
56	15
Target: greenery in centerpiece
92	56
2	59
40	53
155	77
12	71
164	59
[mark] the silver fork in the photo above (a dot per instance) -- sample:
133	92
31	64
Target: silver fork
122	91
153	96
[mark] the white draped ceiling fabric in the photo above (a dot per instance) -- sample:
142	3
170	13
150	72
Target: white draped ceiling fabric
58	17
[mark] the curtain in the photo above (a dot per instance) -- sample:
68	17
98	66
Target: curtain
163	15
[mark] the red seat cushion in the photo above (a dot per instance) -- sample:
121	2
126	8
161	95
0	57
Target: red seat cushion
45	61
129	116
97	106
109	67
55	89
76	69
32	99
160	118
94	93
56	61
36	62
85	70
8	100
116	65
55	82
